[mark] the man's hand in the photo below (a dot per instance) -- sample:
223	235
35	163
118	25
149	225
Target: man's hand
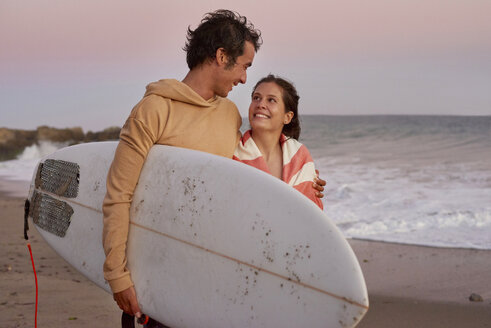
318	185
127	301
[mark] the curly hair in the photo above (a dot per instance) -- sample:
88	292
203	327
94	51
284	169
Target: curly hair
290	99
220	29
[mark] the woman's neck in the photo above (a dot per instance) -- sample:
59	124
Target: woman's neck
268	143
270	148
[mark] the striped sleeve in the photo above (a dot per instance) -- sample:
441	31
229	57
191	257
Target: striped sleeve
299	169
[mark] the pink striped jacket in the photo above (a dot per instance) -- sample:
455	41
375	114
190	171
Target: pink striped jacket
298	166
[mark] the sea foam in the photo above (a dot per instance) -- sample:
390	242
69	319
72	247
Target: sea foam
23	167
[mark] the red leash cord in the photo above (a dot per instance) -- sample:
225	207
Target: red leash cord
36	279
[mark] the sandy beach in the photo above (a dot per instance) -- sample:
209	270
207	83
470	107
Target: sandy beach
408	286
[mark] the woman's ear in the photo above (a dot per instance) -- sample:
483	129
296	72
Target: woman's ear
288	117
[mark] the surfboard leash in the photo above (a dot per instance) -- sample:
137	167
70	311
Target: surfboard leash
27	205
128	321
143	320
36	280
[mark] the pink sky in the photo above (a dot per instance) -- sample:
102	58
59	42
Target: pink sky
67	63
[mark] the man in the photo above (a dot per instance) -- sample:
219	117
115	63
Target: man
191	114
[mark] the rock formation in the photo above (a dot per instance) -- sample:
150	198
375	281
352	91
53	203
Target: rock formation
13	141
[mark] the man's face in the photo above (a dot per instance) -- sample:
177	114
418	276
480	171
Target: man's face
237	73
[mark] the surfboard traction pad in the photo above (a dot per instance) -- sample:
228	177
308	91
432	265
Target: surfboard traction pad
50	214
58	177
62	179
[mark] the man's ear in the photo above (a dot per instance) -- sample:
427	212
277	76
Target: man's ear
221	57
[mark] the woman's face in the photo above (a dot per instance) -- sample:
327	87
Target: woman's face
267	110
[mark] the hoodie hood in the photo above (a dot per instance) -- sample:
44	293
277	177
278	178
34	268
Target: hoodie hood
178	91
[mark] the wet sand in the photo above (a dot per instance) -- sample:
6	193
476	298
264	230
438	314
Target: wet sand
66	298
409	286
417	286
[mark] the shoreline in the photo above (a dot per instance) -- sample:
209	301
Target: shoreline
408	286
415	245
13	188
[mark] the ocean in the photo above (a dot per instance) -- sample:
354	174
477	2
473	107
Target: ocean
423	180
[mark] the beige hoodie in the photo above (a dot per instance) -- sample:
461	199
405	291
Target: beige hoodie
170	113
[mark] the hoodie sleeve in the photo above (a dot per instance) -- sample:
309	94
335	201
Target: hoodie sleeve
140	132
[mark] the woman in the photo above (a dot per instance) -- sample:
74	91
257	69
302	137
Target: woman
271	144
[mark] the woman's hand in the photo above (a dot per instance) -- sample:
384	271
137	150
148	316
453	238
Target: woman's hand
318	185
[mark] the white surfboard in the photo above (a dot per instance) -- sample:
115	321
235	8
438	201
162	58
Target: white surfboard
212	242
